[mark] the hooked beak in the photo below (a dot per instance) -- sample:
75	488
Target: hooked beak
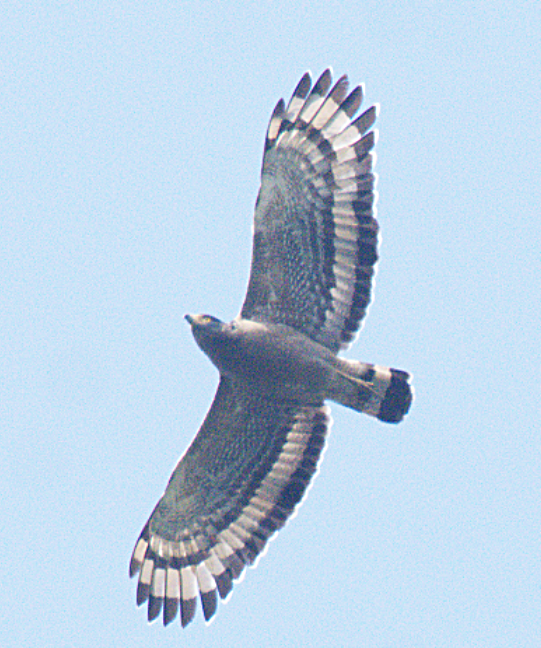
189	319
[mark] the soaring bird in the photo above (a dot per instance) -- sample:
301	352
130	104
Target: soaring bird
315	246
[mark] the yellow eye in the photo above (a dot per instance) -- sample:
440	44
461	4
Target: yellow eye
206	319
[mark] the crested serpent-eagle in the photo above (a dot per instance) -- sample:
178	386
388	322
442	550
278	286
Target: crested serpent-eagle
314	251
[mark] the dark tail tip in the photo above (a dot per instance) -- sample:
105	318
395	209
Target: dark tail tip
398	398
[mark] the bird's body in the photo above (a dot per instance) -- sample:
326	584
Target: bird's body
279	363
273	360
314	252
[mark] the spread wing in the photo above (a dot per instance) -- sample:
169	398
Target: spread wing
237	484
315	235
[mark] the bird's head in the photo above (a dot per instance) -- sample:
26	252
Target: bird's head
207	330
213	336
202	321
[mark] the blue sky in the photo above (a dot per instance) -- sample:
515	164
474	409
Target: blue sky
131	141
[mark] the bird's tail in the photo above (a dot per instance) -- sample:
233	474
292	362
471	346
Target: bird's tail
377	391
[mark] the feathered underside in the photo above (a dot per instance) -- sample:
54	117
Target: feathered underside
314	252
239	481
315	232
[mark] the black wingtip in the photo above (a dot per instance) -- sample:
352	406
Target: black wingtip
170	610
135	566
143	592
303	86
187	611
209	603
323	84
154	607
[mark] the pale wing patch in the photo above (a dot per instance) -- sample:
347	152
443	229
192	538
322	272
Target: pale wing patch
275	122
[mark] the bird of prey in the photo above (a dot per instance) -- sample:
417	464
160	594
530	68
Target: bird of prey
314	251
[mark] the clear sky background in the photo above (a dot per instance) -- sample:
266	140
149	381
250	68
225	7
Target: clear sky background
131	140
